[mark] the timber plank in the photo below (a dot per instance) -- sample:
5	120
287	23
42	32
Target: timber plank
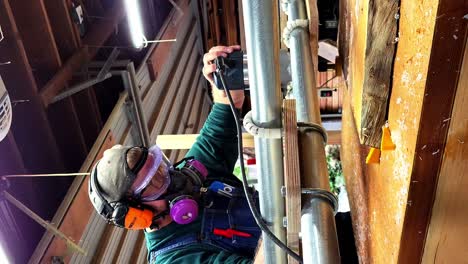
448	229
230	22
313	15
195	115
89	240
185	141
113	245
163	51
444	68
168	99
80	208
129	245
196	84
195	6
181	97
292	176
153	101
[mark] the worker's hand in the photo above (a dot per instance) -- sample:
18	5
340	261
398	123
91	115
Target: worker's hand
219	96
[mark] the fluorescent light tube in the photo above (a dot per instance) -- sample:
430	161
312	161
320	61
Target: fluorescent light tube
135	24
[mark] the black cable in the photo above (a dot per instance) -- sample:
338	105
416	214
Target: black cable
258	218
329	80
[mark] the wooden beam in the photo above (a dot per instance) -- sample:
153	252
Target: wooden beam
292	176
155	100
194	117
313	15
344	37
180	102
216	20
186	112
65	37
81	207
162	51
230	22
33	24
96	37
68	42
441	87
242	29
196	87
167	100
380	52
186	141
198	26
447	227
35	135
64	74
353	156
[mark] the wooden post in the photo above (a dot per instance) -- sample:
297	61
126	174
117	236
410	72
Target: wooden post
292	176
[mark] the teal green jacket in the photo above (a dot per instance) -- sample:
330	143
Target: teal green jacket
216	148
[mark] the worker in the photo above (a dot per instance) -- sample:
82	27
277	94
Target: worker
193	211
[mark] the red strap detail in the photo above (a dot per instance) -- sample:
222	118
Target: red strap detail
228	233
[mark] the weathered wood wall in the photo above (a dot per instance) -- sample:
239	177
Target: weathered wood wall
178	84
391	201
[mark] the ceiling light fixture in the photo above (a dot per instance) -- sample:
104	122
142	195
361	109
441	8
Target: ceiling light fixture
136	26
3	256
5	111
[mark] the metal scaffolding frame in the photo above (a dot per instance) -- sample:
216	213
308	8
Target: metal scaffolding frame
318	230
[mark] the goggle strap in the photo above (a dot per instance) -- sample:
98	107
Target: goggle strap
141	162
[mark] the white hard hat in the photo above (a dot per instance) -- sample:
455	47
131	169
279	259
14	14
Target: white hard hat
5	111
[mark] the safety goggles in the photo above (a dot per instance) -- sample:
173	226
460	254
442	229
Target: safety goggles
152	178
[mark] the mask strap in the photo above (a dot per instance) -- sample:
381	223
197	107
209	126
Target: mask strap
183	160
154	225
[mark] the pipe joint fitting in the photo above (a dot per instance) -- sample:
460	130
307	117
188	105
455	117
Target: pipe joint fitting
324	195
291	26
313	127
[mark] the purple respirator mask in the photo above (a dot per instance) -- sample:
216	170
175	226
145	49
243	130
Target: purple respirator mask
177	185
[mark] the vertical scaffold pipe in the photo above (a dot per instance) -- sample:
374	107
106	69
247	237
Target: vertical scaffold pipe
319	239
262	40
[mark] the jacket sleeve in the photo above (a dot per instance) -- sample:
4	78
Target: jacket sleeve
216	146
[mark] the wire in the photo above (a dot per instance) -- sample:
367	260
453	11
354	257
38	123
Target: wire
258	218
50	227
46	175
329	80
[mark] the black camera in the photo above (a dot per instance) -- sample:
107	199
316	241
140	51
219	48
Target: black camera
232	68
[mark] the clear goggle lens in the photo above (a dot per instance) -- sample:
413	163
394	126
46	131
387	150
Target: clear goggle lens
153	178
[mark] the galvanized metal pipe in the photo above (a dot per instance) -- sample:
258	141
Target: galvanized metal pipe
285	69
319	239
262	41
